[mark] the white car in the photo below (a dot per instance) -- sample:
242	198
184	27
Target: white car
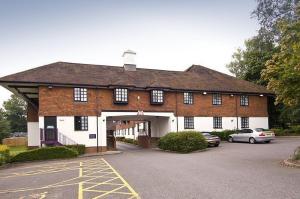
252	136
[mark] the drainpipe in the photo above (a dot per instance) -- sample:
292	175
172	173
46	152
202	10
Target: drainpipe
97	114
236	113
97	135
176	112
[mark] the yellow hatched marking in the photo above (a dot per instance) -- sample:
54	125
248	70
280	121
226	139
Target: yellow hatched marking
95	177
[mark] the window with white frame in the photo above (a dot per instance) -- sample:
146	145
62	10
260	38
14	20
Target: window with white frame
217	123
81	123
157	97
80	94
216	99
245	122
244	100
121	95
189	122
188	98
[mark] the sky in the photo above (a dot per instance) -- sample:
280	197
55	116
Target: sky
169	35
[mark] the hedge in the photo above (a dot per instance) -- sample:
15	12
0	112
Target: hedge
4	154
182	142
45	153
131	141
120	139
296	155
80	148
292	131
224	135
127	140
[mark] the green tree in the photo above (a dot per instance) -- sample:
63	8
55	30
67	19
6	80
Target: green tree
270	12
247	64
15	112
283	70
4	126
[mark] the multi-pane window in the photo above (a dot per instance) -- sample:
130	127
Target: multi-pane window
188	122
121	95
157	97
81	123
187	98
245	122
244	100
217	122
80	94
216	99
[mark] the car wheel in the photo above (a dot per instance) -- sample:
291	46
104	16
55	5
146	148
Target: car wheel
252	141
230	139
268	141
216	145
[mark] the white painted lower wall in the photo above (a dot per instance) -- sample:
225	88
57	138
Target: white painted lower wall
161	124
65	126
33	133
228	123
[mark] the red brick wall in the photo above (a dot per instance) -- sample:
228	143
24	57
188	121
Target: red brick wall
59	101
32	113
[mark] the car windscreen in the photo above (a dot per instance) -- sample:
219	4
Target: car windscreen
260	129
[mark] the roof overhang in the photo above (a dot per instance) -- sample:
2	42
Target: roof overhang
28	92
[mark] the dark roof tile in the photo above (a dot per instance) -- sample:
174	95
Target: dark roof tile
195	77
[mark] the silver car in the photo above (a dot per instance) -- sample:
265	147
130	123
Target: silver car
252	136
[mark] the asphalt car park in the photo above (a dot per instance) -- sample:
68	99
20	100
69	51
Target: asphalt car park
232	170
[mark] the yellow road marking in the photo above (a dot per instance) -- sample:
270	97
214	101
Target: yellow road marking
80	193
95	176
123	180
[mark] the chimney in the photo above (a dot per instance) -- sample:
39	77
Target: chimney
129	60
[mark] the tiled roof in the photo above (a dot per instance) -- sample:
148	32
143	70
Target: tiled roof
196	78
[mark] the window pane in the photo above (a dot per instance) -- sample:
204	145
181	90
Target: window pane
188	122
216	99
188	98
244	122
121	95
80	94
217	122
157	96
244	100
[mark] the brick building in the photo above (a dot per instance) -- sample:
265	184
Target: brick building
74	103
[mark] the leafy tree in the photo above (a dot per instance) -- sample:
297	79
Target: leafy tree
270	12
15	112
247	64
4	126
283	70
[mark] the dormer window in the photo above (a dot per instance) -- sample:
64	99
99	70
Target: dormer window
157	97
121	95
80	94
216	99
188	98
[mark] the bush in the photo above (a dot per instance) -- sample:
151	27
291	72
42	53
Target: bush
4	154
80	148
183	142
223	134
131	141
296	155
45	154
120	139
292	131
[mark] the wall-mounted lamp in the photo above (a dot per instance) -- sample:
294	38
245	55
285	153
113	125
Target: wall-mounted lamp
231	95
103	120
261	95
204	93
50	87
173	120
